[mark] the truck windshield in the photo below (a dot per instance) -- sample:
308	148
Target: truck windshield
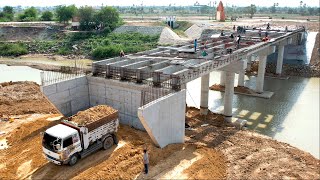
49	142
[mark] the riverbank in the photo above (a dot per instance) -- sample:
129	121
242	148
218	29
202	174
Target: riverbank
48	62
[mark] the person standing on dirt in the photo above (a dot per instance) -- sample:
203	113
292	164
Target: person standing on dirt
145	161
234	27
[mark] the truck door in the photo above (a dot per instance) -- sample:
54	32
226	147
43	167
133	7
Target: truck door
71	145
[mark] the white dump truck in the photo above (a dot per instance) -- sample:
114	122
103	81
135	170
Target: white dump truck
81	135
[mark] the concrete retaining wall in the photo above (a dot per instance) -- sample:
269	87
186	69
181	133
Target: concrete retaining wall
69	96
164	119
125	97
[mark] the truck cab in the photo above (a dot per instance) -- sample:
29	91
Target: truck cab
60	143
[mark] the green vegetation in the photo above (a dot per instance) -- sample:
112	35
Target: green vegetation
90	44
65	13
29	14
47	16
105	18
7	49
182	27
6	14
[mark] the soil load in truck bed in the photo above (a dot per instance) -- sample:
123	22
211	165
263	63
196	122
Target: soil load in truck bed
95	116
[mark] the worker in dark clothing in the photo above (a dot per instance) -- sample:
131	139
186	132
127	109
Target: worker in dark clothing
221	34
234	27
266	34
238	41
232	36
259	32
195	45
268	26
145	161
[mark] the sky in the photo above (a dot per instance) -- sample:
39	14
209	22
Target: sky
282	3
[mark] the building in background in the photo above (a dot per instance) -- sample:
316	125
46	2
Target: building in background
220	16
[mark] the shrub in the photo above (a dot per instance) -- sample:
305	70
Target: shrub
81	35
12	49
105	52
64	51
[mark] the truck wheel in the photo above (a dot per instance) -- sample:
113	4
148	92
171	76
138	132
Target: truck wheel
73	160
108	142
115	139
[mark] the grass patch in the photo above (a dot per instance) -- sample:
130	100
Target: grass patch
13	49
182	27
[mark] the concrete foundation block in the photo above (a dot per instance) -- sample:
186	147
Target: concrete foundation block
50	89
65	85
157	118
60	97
81	81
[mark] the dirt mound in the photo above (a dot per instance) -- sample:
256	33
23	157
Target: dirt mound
26	146
92	114
23	98
239	89
250	155
169	37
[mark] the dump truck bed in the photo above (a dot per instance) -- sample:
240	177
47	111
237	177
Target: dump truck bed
94	117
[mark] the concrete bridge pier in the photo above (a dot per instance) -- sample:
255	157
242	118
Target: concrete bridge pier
280	55
204	94
250	59
222	78
262	67
261	72
228	95
241	78
280	59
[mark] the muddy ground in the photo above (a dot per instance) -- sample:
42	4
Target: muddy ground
213	149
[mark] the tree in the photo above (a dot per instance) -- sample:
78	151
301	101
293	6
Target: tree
47	16
65	13
6	14
29	14
108	17
252	9
87	19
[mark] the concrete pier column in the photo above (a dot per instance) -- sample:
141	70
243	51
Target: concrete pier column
222	78
280	59
204	97
241	78
250	59
261	72
228	95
